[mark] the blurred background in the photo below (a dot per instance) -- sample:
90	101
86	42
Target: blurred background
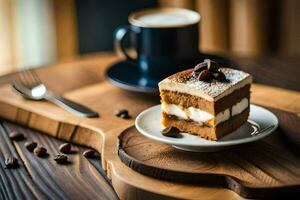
40	32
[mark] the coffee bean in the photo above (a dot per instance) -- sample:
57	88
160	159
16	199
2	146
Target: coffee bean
65	148
212	66
171	132
30	146
204	75
118	113
169	129
200	67
40	152
203	70
61	159
89	153
166	130
208	62
123	113
16	136
221	77
11	162
125	116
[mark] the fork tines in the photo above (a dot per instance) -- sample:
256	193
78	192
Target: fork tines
29	78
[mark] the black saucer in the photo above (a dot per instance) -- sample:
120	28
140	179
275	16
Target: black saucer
126	75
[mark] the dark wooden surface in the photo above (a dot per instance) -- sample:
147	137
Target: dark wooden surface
275	71
263	169
43	178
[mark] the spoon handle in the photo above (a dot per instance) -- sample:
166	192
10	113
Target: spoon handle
71	106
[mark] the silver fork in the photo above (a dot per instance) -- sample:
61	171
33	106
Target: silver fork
31	87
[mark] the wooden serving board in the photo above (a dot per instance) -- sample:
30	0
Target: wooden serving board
83	81
263	169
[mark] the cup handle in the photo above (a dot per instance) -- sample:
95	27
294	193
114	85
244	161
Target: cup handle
119	35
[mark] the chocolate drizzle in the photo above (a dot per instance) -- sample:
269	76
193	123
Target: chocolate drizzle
208	70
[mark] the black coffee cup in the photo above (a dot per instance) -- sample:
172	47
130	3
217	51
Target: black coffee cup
165	39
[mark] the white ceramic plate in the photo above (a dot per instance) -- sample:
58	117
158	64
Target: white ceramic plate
261	123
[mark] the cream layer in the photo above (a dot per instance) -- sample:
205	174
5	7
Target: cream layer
200	116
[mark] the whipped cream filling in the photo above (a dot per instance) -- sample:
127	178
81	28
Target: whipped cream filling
200	116
239	107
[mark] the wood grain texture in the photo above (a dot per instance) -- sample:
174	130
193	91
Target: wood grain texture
214	27
83	81
263	169
189	4
250	27
273	71
14	180
43	178
8	48
65	28
289	44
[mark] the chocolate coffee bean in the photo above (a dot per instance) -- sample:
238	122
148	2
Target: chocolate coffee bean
221	77
123	113
207	70
125	116
212	66
11	162
166	130
16	136
89	153
61	159
204	75
118	113
65	148
30	146
171	132
200	67
40	152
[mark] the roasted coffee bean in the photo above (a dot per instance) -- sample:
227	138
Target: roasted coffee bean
89	153
40	151
125	116
212	66
120	112
16	136
221	77
169	129
61	159
200	67
171	132
208	62
11	162
30	146
215	74
204	75
166	130
123	113
65	148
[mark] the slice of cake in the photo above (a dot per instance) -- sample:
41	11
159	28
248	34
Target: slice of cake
209	100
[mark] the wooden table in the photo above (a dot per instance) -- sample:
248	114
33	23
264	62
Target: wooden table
88	70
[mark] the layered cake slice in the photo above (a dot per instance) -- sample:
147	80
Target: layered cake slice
209	101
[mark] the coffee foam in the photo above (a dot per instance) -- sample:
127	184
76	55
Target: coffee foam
164	17
157	19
